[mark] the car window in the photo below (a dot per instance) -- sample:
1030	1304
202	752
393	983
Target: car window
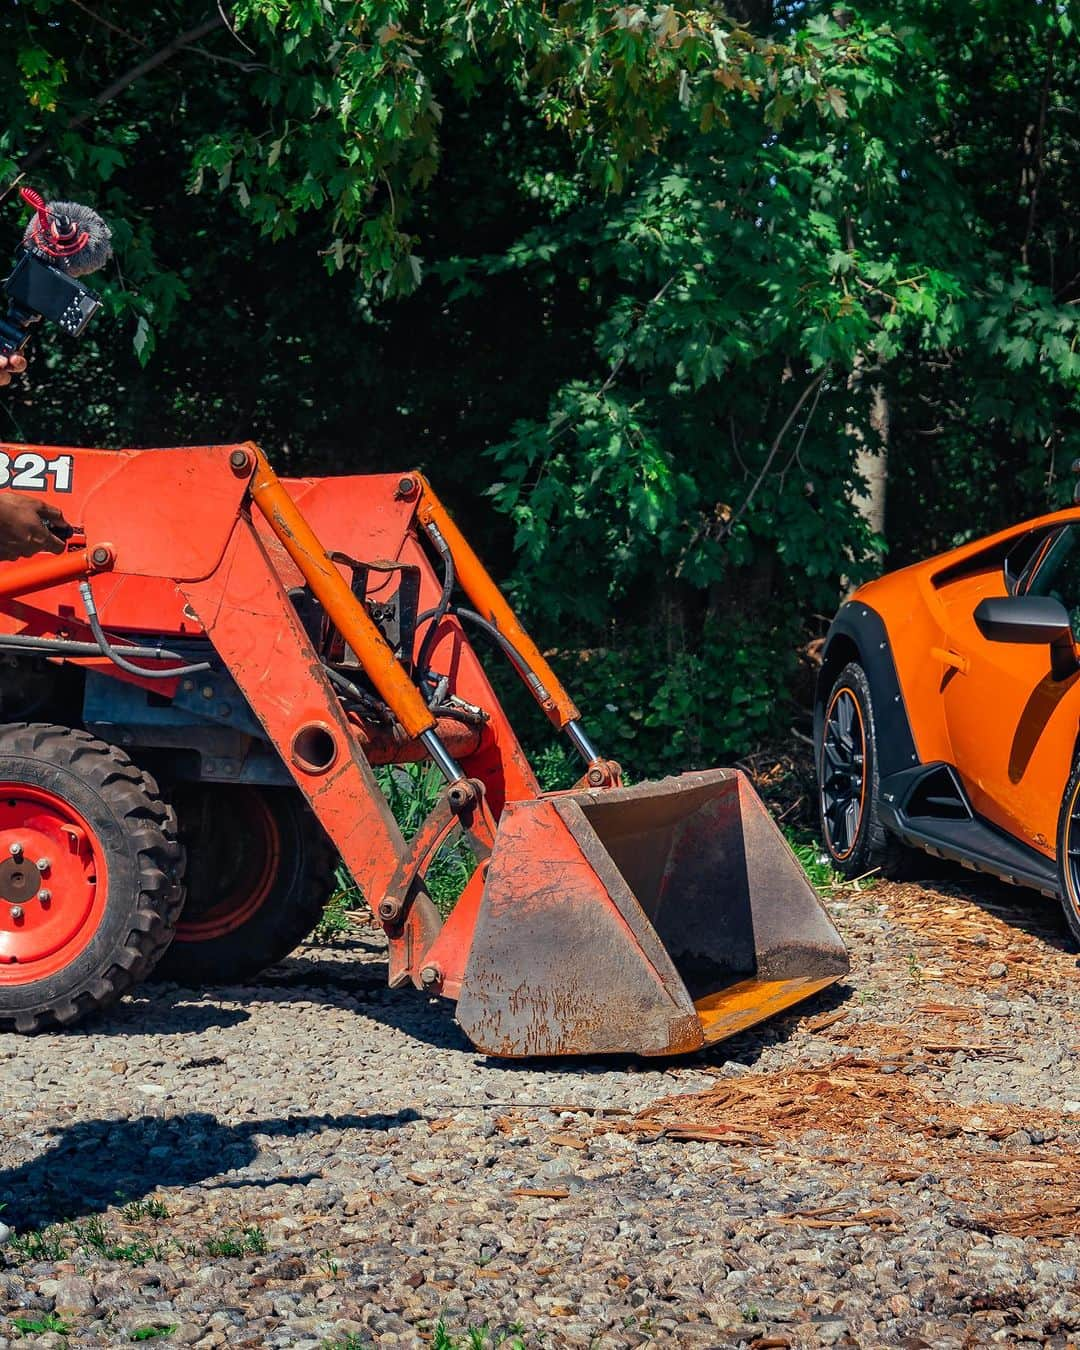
1057	574
1023	557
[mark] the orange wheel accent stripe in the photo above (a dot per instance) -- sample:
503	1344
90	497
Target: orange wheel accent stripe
862	788
1064	868
231	913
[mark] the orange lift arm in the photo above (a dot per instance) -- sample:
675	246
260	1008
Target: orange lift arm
350	617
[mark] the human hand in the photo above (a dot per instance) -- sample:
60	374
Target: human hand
24	527
14	364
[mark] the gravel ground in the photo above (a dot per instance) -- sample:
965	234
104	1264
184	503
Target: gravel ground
316	1161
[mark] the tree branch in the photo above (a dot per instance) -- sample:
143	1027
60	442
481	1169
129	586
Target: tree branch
232	30
105	23
129	77
775	447
1038	152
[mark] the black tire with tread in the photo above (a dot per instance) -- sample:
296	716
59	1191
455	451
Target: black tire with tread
875	849
301	888
1069	886
136	830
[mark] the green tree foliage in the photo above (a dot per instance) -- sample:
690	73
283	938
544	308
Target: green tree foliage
625	277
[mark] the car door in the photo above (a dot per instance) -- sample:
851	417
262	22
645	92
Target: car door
1012	725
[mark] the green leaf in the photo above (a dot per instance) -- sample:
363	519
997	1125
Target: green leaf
144	340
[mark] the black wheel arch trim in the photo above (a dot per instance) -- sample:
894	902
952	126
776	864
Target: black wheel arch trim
857	625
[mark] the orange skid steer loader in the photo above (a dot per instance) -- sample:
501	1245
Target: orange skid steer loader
193	697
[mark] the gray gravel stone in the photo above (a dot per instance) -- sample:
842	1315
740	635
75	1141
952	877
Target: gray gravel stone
322	1159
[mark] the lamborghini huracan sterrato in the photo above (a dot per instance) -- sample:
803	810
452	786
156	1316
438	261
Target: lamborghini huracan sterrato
947	715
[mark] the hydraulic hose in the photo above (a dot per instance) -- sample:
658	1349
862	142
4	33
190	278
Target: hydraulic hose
530	676
439	612
114	656
500	639
578	738
22	642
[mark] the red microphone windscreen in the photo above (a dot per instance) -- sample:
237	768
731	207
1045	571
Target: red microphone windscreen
72	236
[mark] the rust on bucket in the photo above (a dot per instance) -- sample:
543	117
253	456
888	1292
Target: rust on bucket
646	920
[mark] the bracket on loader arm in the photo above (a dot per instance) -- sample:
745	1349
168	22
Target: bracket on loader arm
651	919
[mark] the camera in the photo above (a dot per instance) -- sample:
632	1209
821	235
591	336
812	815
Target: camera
37	290
63	241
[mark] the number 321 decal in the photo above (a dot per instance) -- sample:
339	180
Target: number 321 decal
34	473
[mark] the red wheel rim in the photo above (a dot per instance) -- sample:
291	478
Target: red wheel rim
48	914
246	823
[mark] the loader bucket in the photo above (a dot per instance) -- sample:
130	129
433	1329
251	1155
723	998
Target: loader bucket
648	920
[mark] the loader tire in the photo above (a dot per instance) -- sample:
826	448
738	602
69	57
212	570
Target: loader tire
94	917
854	837
260	872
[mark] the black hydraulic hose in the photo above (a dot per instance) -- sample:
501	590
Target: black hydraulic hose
114	656
440	610
22	642
370	706
517	660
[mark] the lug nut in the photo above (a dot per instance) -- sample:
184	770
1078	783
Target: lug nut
43	864
16	911
16	850
44	896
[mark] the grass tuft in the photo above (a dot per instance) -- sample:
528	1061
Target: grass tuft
824	878
40	1325
481	1337
137	1252
336	919
150	1208
248	1242
42	1244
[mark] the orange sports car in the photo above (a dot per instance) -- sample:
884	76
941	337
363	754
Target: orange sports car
947	715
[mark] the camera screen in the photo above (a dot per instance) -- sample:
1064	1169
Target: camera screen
45	290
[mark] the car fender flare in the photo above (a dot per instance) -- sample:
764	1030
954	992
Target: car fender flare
858	633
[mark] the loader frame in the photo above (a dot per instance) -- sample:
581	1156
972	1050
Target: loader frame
243	607
214	530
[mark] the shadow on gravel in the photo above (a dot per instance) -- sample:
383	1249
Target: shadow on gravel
160	1014
162	1009
169	1009
98	1163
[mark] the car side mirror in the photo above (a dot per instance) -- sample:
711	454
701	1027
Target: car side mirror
1030	619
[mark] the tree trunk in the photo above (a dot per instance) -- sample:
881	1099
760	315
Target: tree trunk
872	462
872	455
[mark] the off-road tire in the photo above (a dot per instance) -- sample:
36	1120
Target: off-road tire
870	847
1068	852
135	831
297	887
